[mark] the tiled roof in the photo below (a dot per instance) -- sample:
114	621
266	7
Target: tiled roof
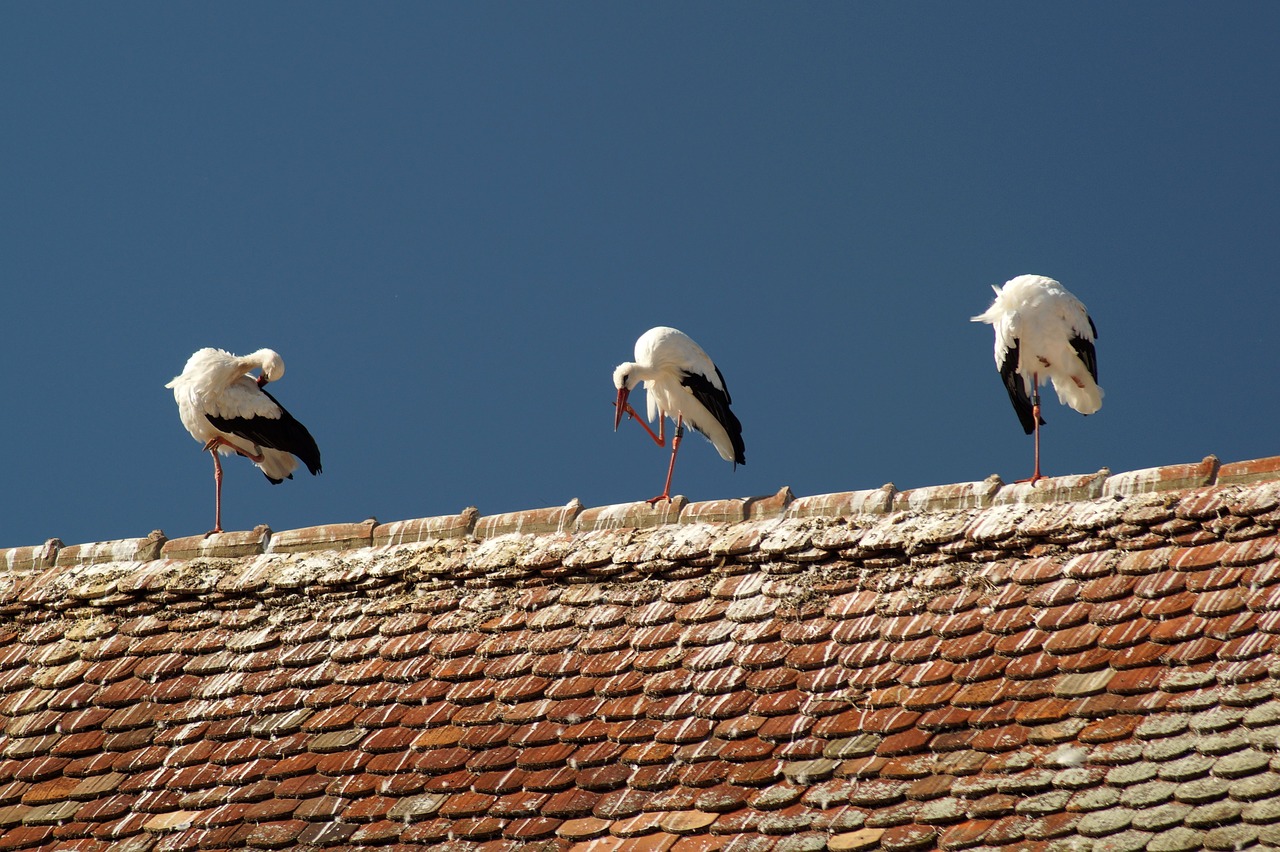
1087	665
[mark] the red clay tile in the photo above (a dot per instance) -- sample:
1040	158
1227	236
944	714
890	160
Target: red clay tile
756	773
874	676
1137	656
906	627
687	731
1062	617
911	741
1192	651
1249	552
1178	630
1055	593
974	671
1072	640
761	656
785	728
1216	604
1126	634
929	673
1110	729
1232	626
915	651
856	630
533	828
954	624
1215	578
965	649
1118	641
648	754
1009	620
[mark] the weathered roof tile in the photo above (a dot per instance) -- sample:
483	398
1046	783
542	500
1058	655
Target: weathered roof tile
1034	671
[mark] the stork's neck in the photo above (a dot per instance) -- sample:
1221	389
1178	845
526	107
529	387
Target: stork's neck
266	360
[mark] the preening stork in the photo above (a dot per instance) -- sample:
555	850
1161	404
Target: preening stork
1042	331
681	383
230	412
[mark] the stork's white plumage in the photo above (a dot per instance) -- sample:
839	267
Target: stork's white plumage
229	412
682	383
1042	331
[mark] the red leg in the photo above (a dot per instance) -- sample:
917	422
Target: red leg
660	440
1035	416
217	493
218	441
212	446
675	448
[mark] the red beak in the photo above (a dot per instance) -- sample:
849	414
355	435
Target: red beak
621	407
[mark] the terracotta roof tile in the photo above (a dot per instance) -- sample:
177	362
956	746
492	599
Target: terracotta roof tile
1026	670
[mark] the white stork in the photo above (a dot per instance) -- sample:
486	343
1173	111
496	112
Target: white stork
681	383
1042	331
230	412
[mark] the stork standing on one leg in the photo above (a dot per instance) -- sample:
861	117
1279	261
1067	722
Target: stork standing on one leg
1043	332
229	412
682	383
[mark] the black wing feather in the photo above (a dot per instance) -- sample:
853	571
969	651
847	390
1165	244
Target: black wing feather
717	402
282	433
1088	355
1017	393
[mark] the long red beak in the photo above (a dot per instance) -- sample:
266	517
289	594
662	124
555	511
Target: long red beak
621	407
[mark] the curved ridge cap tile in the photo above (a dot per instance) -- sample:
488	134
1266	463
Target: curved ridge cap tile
573	517
224	545
1174	477
770	507
1247	472
35	557
732	510
1073	488
323	537
639	515
121	550
416	530
735	510
957	495
555	519
877	501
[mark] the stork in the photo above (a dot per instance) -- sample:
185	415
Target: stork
228	411
683	384
1043	332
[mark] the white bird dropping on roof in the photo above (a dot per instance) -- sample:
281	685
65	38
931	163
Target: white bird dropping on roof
1042	331
682	383
229	412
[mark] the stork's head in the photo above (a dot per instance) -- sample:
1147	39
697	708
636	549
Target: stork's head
271	365
624	379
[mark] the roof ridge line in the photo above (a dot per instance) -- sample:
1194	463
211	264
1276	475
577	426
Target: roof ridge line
573	517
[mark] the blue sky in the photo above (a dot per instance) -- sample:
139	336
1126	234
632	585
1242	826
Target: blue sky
453	220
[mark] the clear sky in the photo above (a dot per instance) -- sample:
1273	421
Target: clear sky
453	220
